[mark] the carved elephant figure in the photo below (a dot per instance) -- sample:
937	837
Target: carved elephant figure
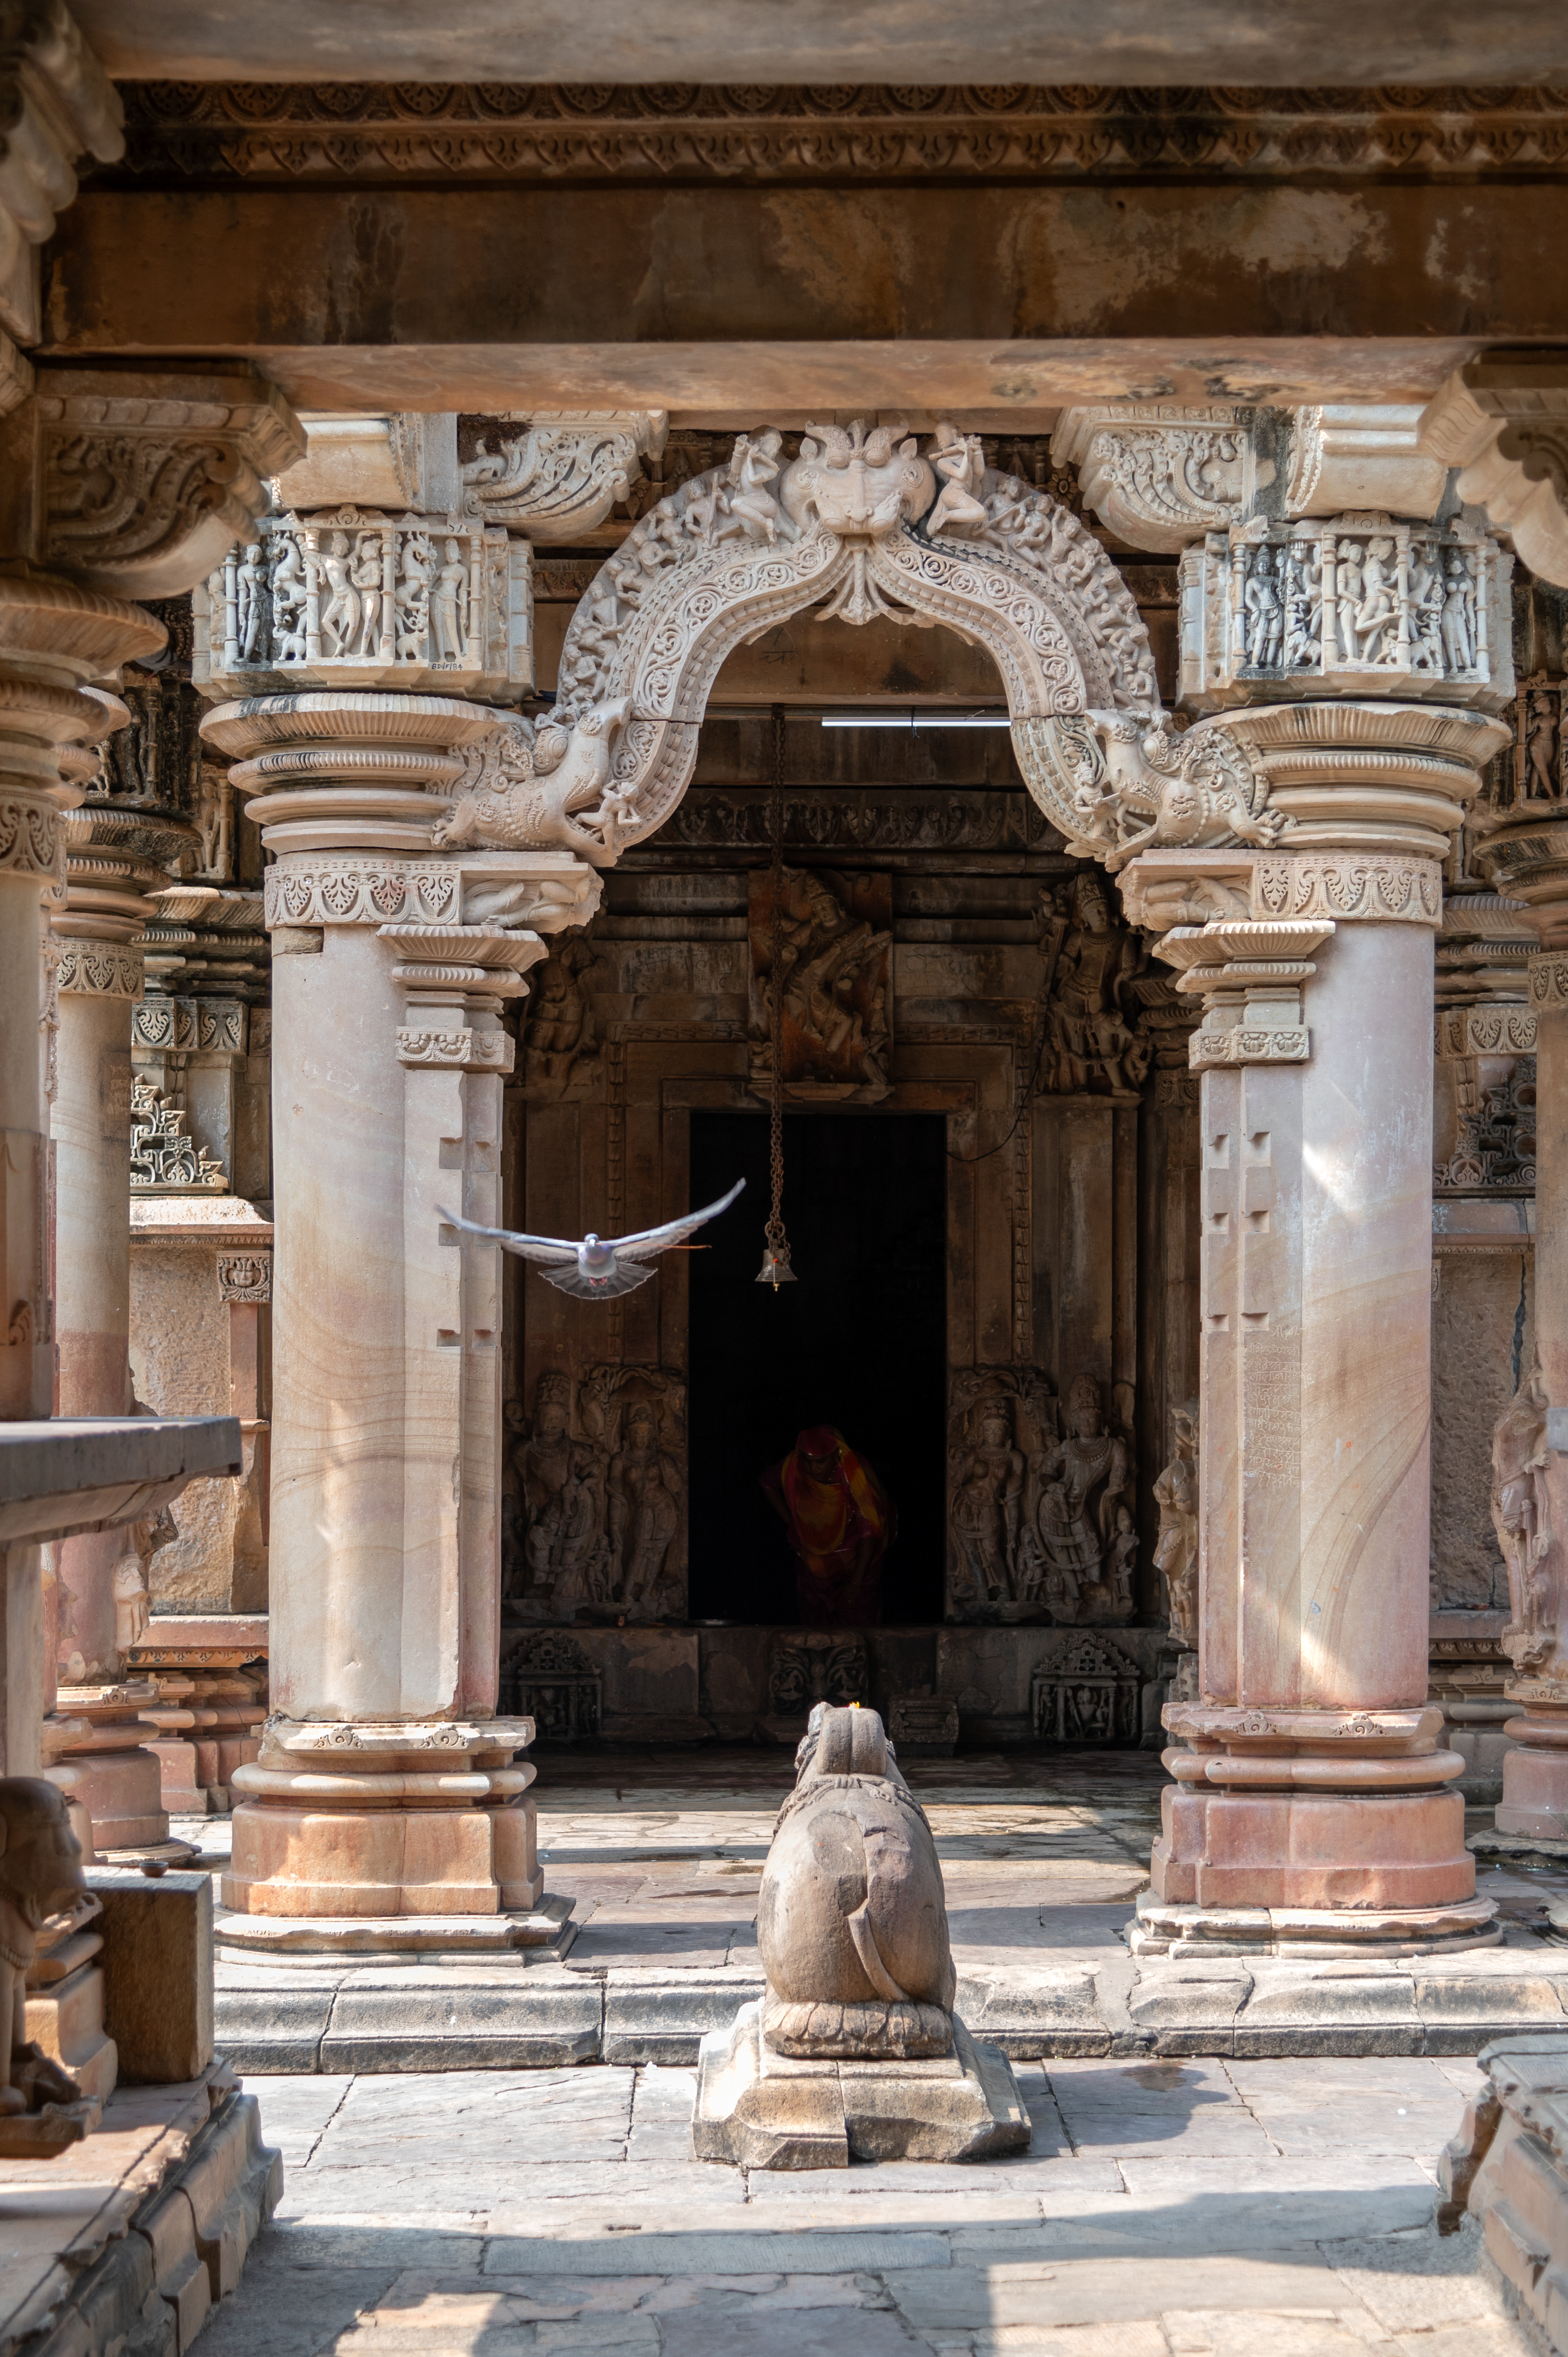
851	1921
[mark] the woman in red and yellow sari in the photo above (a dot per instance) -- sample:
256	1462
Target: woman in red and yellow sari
841	1522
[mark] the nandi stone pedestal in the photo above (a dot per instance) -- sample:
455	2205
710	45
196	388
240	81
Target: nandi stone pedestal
854	2048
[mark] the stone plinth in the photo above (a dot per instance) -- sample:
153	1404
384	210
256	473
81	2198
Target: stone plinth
109	1770
761	2110
1506	2168
353	1819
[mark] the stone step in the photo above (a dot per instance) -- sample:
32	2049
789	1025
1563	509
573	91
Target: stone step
314	2015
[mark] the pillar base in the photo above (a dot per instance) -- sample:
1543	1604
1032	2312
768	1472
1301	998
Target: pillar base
361	1819
116	1781
1314	1813
1161	1929
1535	1772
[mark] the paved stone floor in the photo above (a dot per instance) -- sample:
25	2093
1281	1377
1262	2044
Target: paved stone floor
663	1853
1183	2208
1198	2209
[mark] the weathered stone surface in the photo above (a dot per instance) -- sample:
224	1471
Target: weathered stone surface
851	1924
760	2109
157	1960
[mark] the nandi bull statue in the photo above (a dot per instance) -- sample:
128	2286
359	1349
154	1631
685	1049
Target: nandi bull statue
853	1931
544	788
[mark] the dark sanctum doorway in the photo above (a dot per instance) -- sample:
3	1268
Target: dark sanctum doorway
860	1342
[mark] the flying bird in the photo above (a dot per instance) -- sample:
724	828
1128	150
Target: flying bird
593	1270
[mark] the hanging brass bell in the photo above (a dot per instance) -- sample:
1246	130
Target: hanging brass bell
776	1269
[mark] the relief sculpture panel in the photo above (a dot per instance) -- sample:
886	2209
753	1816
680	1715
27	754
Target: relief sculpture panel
1041	1500
595	1526
835	961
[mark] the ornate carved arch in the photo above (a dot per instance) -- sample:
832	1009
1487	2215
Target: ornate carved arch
862	523
858	525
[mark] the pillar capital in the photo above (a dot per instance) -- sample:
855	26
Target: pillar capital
1362	603
136	483
1162	475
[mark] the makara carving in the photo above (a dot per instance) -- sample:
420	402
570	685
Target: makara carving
1040	1516
835	957
1120	783
595	1516
548	787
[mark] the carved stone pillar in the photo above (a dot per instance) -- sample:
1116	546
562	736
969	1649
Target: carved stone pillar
1312	1805
112	485
386	1784
1344	627
113	859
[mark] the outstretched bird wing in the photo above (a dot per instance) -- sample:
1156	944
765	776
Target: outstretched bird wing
649	1240
554	1251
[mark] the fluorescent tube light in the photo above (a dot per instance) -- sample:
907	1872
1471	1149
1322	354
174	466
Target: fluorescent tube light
916	720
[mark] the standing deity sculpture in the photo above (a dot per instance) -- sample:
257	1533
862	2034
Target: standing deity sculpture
646	1485
1093	1049
1175	1550
987	1498
1072	1543
1522	1518
558	1506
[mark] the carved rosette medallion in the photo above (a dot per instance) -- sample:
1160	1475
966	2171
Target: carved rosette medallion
245	1276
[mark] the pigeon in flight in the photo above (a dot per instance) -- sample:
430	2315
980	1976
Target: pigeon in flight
592	1270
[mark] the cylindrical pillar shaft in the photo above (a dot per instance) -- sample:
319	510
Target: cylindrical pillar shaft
1312	1807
